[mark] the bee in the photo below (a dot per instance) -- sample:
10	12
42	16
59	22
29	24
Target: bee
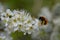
43	20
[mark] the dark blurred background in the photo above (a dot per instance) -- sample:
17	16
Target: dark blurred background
32	6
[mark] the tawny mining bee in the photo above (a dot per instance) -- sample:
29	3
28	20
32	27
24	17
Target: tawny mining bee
43	20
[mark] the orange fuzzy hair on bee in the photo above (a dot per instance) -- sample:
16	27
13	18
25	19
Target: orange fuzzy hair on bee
44	21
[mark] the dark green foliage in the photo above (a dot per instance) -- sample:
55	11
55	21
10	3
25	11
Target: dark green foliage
20	36
20	4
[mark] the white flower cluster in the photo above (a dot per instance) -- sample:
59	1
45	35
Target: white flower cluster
5	36
19	20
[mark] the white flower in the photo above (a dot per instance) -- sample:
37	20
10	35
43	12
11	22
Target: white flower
19	20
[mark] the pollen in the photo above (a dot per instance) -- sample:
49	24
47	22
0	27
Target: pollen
28	21
15	20
31	27
7	14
